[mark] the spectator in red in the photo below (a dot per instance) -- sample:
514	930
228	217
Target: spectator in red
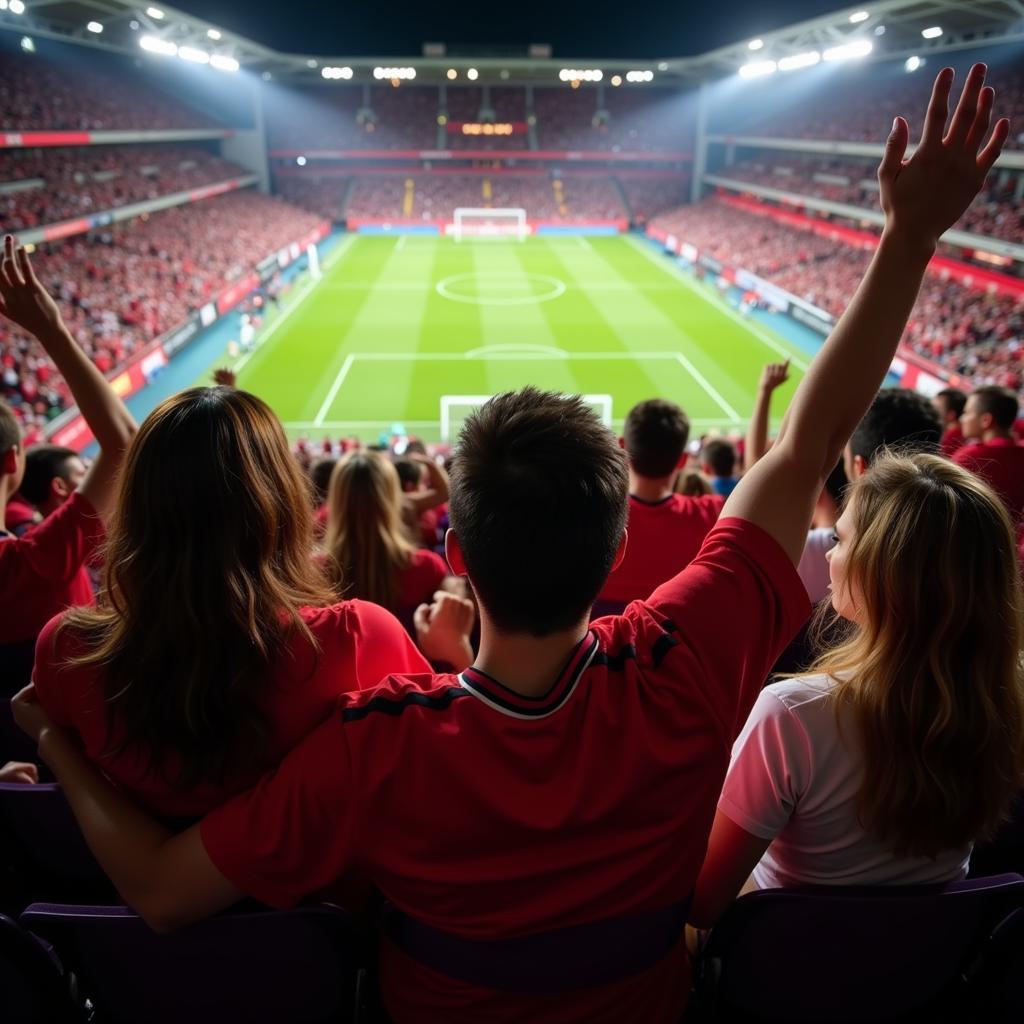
217	644
949	404
666	529
568	779
424	493
44	571
52	475
369	554
991	451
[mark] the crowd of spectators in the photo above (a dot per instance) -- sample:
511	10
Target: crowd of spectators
62	184
506	106
966	330
648	196
323	196
37	94
996	212
122	287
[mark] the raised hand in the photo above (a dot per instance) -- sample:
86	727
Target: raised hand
22	298
924	196
774	375
224	377
443	629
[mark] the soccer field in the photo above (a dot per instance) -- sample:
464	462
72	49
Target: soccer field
412	330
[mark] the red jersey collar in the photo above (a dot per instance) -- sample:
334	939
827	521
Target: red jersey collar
498	696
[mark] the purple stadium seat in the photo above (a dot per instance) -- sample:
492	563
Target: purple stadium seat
858	954
33	986
253	966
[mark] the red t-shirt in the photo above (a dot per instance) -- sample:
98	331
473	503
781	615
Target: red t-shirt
360	643
1000	463
20	515
664	537
418	582
491	815
43	572
952	440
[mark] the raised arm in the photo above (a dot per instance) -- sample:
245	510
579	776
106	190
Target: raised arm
772	376
921	197
437	487
167	879
24	300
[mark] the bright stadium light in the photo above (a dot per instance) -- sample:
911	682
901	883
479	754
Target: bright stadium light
755	44
28	44
799	60
912	63
346	72
394	73
3	5
153	44
193	55
223	63
758	68
16	7
639	76
155	12
663	66
858	16
310	63
301	161
452	74
616	80
848	51
95	27
931	33
213	34
472	74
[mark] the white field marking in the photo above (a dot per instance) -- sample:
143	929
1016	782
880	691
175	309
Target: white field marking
514	356
419	286
490	350
401	243
335	387
354	424
753	328
709	389
297	301
584	243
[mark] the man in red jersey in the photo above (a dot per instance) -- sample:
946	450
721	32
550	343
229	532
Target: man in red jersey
536	822
991	451
666	529
949	404
43	572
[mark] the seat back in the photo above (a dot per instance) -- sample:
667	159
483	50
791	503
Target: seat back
40	820
256	966
33	988
844	954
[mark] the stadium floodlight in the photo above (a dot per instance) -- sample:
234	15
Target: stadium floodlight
301	161
879	30
154	44
580	75
758	68
394	73
28	44
912	63
662	67
452	74
16	7
639	76
616	80
755	44
155	12
95	27
213	34
472	74
3	5
799	60
311	63
222	62
931	33
848	51
134	25
193	55
858	16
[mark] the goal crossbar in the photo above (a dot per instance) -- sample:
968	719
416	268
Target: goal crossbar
489	222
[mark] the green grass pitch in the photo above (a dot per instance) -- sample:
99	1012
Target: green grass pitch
398	323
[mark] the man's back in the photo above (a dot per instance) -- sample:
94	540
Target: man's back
664	537
1000	463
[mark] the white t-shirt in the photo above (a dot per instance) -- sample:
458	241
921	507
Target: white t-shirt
794	779
813	567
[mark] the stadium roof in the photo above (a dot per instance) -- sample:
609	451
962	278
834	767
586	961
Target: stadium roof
894	28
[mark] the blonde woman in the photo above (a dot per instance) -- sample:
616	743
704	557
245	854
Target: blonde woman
905	742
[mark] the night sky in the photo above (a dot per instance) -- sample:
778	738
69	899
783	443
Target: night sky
600	29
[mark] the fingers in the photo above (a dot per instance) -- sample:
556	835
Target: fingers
938	109
990	154
26	268
421	617
895	149
10	276
967	108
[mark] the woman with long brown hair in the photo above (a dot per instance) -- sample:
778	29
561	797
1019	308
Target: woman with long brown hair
216	644
904	743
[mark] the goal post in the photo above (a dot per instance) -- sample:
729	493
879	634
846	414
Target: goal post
456	409
486	222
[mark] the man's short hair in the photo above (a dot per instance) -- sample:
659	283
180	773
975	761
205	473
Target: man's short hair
1000	403
10	429
43	464
720	455
320	476
410	472
953	400
898	418
539	489
655	433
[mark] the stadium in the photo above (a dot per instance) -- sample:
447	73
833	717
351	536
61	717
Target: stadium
493	533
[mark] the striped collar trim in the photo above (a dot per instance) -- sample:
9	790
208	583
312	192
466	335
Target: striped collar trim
498	696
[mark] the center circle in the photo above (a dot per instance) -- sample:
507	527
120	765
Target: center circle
498	288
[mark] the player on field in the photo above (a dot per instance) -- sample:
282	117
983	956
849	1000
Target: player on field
537	822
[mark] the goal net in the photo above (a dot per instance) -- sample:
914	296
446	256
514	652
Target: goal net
456	409
482	222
